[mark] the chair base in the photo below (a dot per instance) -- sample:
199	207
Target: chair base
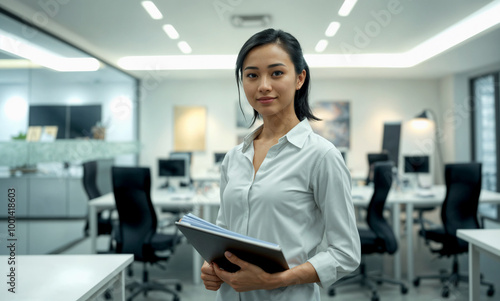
453	279
364	279
136	288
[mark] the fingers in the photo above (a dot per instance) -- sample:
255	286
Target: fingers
234	259
212	283
210	279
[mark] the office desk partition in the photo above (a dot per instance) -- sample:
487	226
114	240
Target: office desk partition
480	240
162	199
362	195
66	277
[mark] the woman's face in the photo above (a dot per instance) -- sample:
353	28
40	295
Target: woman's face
270	81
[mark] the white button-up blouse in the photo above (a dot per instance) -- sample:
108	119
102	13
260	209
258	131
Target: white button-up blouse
300	199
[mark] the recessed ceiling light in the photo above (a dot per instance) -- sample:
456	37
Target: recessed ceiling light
41	56
178	62
18	64
332	29
170	31
321	46
481	20
152	10
184	47
346	8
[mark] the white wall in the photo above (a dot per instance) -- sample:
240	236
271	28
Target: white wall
373	101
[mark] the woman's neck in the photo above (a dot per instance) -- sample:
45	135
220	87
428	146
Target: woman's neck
277	127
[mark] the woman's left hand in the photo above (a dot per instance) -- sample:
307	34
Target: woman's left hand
249	277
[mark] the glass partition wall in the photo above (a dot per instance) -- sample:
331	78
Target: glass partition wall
59	107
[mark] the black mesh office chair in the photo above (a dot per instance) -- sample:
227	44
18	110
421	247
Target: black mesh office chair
458	211
372	159
138	226
89	181
378	238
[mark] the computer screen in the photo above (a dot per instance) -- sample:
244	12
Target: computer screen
390	140
219	157
172	167
416	164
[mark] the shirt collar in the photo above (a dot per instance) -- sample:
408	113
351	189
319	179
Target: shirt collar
296	136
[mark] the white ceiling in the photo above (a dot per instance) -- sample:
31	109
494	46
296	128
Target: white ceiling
111	29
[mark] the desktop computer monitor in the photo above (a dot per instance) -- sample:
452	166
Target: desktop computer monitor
416	164
219	157
188	156
390	141
174	169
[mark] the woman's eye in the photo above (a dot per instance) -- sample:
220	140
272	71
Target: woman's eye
251	75
277	73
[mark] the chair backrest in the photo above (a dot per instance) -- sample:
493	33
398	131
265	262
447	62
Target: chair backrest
372	159
132	192
459	209
382	180
90	180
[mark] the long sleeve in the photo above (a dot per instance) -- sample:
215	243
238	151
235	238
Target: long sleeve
332	193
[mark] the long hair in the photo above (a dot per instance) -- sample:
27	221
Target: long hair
291	46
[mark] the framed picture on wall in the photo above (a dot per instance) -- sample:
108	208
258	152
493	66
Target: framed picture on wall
49	133
335	122
190	123
34	133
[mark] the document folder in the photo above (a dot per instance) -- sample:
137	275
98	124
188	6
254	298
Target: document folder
212	241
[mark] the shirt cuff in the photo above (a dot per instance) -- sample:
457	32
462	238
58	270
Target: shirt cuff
326	271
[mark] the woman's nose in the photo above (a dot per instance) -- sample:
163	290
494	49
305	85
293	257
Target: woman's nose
264	85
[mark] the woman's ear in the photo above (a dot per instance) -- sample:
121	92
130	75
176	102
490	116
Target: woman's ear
300	79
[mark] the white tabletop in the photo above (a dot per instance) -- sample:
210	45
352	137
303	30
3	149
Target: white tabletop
60	277
165	199
486	239
433	196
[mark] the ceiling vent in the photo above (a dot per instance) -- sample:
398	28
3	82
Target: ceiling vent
251	20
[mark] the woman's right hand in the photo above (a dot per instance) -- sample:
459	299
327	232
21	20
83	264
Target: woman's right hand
210	279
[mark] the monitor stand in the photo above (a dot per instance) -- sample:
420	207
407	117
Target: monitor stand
165	185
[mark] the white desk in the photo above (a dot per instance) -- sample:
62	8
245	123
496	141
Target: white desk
163	199
362	195
65	277
480	240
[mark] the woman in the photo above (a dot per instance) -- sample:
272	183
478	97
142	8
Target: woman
284	183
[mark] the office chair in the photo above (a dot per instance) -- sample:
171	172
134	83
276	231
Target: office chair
89	180
138	227
378	238
372	159
458	211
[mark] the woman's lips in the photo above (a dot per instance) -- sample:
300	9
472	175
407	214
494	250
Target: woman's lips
265	100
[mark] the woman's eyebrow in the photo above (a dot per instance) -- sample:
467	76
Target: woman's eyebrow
269	66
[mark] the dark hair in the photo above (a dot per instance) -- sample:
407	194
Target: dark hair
290	44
